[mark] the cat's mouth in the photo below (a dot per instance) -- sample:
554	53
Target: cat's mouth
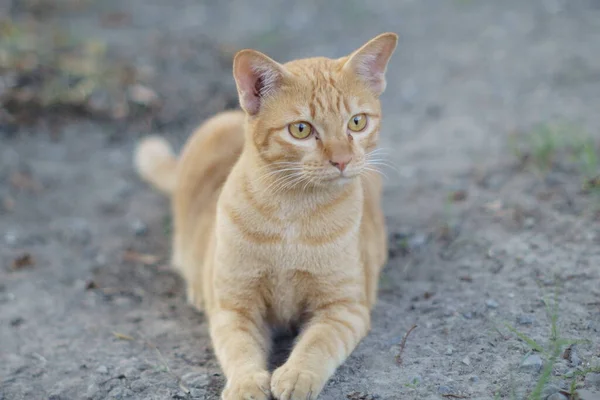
342	177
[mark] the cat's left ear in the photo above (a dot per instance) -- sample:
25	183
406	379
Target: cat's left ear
371	60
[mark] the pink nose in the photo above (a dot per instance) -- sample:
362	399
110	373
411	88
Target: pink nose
341	162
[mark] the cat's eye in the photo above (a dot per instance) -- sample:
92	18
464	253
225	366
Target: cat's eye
357	123
300	130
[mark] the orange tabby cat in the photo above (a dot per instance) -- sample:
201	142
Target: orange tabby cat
277	216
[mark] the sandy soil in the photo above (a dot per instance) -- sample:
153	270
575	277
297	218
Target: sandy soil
477	241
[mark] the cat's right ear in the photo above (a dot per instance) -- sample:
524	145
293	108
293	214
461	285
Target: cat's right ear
257	76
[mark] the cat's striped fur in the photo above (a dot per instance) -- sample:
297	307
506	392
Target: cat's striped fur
271	230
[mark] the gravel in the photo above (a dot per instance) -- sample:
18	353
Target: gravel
466	75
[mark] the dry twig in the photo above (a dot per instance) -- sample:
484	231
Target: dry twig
403	344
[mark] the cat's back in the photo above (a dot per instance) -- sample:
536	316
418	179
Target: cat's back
206	161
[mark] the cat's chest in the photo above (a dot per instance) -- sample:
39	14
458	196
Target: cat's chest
287	297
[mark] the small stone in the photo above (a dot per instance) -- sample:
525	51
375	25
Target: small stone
466	361
180	395
491	303
92	391
563	385
119	393
11	238
549	390
570	373
195	380
102	370
529	223
138	385
574	357
526	319
18	321
445	390
468	315
533	362
557	396
474	379
560	368
417	242
585	394
143	95
139	228
198	393
100	260
592	380
449	351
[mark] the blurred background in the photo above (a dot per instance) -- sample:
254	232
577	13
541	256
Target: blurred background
492	198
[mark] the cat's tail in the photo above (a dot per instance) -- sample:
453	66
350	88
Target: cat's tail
156	163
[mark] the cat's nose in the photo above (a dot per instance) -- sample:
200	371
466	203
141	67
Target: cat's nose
341	162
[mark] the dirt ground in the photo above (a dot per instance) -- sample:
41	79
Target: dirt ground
480	243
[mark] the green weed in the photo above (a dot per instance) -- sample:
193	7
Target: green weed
551	351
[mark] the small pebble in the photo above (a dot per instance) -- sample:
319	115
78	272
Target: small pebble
557	396
560	368
491	303
198	393
585	394
468	315
138	385
474	379
102	369
532	363
120	393
574	357
449	351
417	241
592	380
445	390
196	380
526	319
570	373
139	228
549	390
100	260
143	95
529	223
11	238
466	361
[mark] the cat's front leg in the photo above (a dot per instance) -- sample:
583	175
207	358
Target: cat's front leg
328	339
242	345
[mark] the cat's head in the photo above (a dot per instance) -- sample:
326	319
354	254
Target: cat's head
314	121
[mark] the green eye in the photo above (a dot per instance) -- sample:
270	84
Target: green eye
300	130
357	123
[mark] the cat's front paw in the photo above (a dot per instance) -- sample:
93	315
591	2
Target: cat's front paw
289	383
253	386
